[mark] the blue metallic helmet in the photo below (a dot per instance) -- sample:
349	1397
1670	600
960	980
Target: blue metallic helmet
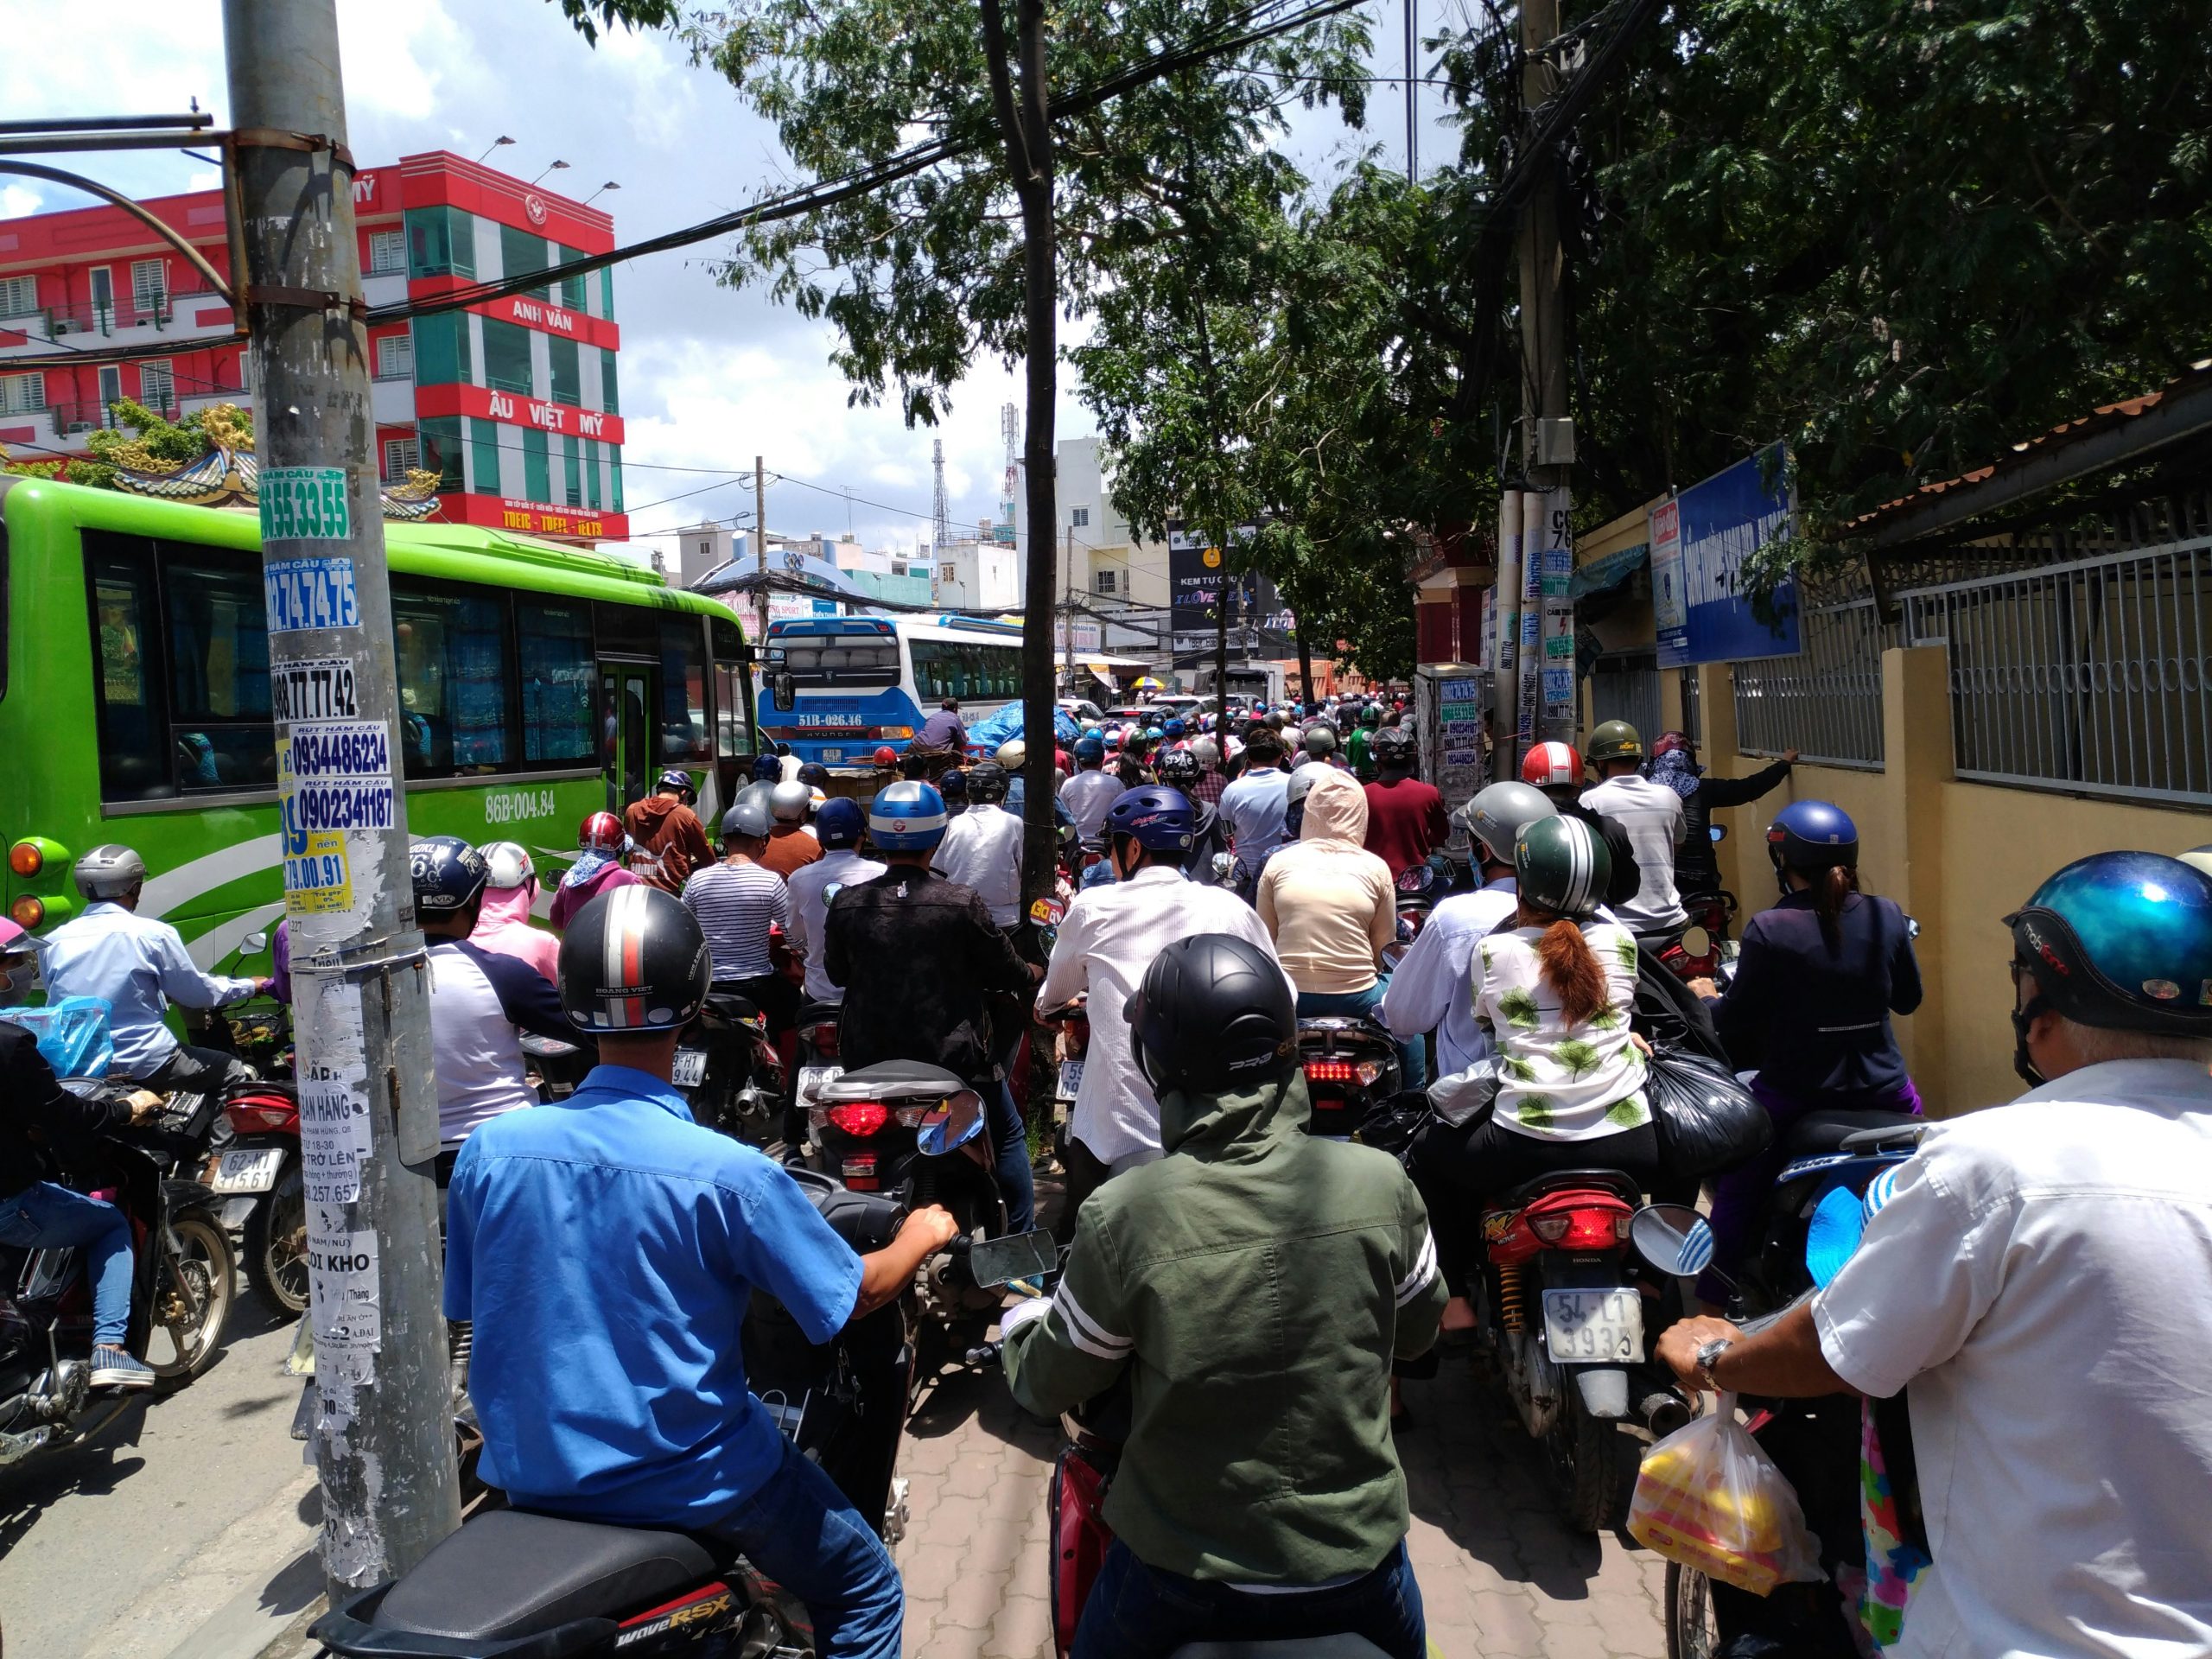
1160	818
839	823
1812	836
1090	749
449	874
907	817
1175	728
2120	940
766	768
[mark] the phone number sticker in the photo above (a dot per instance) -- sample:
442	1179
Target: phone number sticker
304	504
318	881
302	594
320	690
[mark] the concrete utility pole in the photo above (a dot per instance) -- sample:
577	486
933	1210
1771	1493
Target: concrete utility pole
383	1438
1413	88
1548	447
761	549
1067	642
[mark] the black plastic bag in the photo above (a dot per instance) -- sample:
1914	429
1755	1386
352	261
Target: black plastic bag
1707	1121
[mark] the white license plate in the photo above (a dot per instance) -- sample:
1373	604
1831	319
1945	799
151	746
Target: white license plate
830	755
1071	1080
253	1171
812	1078
690	1069
1604	1325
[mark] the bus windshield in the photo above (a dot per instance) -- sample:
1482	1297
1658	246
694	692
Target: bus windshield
857	660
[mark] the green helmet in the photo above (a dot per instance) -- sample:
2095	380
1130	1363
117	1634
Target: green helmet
1371	714
1561	866
1616	740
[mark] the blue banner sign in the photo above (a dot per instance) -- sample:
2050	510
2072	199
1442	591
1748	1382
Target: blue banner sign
1699	543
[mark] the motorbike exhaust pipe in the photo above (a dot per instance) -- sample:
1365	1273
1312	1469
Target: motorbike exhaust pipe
1663	1412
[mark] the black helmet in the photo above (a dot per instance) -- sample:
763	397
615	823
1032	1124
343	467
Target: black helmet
814	775
1392	747
633	959
449	874
1178	769
1214	1013
987	783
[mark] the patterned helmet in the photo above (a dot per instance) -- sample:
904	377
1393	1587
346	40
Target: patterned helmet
1561	866
510	864
907	817
602	832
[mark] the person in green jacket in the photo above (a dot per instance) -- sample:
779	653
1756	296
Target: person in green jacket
1253	1287
1361	745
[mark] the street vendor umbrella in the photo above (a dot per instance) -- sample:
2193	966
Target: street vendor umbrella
1147	683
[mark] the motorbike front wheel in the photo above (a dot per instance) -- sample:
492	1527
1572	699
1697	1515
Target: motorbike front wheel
192	1301
1692	1630
1594	1462
277	1246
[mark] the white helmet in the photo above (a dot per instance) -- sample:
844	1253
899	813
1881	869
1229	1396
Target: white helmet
109	872
1014	754
789	802
510	862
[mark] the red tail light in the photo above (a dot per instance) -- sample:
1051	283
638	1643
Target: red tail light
860	1118
825	1040
1581	1229
263	1115
1363	1072
859	1173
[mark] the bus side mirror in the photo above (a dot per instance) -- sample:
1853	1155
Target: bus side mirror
784	687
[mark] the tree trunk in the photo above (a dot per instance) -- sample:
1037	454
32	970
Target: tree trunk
1028	137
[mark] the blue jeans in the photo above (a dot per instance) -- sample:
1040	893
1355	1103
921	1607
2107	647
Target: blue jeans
43	1214
1136	1612
804	1532
1412	1060
1017	1182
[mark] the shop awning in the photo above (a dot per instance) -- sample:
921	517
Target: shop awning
1603	575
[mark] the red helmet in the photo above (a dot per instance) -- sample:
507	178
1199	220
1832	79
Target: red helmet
1550	765
601	833
887	756
1667	742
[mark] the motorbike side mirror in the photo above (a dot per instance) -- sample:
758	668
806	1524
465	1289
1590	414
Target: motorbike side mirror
254	942
1672	1237
784	688
950	1124
995	1262
1718	831
1224	866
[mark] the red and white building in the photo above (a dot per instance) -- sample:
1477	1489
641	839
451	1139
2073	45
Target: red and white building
514	401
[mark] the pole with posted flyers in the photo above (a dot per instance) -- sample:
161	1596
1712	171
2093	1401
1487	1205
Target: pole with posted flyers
383	1436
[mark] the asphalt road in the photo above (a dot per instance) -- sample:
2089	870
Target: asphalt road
122	1547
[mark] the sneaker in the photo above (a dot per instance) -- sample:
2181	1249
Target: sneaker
114	1368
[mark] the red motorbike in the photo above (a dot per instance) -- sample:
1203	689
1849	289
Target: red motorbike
264	1189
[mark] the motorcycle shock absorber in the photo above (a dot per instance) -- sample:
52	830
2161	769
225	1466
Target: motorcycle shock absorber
1512	1301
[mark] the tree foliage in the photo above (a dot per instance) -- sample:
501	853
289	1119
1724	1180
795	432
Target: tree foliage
147	441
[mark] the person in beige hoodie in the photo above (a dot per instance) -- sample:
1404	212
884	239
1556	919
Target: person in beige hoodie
1331	906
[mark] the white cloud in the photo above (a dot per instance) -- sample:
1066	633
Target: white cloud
18	201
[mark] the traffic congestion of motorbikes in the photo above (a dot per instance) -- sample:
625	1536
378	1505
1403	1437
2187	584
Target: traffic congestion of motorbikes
1342	1084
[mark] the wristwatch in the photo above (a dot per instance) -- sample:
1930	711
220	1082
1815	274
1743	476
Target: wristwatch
1708	1355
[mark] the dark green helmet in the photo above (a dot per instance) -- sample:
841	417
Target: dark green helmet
1561	866
1615	739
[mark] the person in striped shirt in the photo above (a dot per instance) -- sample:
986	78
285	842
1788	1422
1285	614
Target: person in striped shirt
738	902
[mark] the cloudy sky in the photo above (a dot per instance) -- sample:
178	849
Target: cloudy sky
709	377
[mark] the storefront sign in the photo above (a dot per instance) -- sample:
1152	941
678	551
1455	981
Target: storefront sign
532	520
548	318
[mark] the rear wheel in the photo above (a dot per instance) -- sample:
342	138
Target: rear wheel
192	1301
276	1245
1692	1630
1594	1462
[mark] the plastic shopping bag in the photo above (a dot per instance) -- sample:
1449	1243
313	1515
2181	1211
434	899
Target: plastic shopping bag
1709	1498
1706	1121
71	1034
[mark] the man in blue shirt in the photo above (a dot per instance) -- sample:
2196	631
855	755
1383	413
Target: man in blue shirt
1253	806
604	1248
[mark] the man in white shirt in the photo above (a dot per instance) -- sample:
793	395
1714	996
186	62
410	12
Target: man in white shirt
1652	814
1253	805
2040	1284
981	848
1091	791
138	966
1432	988
839	825
1106	943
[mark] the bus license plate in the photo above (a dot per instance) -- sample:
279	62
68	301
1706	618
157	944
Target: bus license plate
691	1069
253	1171
1605	1325
833	754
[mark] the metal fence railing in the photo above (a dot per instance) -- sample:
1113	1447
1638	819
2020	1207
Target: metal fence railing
1627	688
1825	702
2093	676
1693	708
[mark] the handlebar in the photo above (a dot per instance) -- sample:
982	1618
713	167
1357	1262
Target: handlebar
986	1354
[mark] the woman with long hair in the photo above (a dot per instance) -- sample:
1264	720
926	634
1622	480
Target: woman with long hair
1818	978
1554	992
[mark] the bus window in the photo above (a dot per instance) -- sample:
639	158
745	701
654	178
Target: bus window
557	682
734	730
218	678
455	669
684	735
134	713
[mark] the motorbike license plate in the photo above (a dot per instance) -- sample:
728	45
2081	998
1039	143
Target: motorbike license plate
690	1068
1594	1324
1071	1080
813	1078
253	1171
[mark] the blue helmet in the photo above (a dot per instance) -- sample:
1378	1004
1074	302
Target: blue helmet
953	786
766	768
1153	734
907	817
1175	728
449	874
1090	749
839	822
2120	940
1160	818
1812	836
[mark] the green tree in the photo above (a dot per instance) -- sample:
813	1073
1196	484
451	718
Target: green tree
146	441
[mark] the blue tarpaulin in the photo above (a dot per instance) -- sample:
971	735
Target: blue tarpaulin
1601	575
1006	724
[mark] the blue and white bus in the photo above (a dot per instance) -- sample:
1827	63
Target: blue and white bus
838	687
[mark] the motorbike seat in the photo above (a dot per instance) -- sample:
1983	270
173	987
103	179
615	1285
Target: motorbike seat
1557	1181
812	1013
889	1080
731	1008
545	1048
1825	1130
512	1574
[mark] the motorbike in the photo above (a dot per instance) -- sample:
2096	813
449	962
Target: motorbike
730	1067
1704	950
1835	1156
264	1190
554	1069
914	1131
1070	1024
1418	887
181	1297
538	1586
1351	1069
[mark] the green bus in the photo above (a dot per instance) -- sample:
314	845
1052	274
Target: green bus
536	684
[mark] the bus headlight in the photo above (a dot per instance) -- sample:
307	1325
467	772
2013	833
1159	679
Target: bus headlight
27	912
26	858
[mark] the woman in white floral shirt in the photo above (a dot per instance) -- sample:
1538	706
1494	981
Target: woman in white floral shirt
1555	993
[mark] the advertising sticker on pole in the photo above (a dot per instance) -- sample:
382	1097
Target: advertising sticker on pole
1718	526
